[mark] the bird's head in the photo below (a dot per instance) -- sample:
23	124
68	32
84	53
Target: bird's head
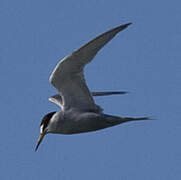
44	127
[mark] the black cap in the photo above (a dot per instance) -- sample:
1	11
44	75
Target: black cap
46	119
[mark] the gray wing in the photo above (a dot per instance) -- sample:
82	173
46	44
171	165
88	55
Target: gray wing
68	77
57	99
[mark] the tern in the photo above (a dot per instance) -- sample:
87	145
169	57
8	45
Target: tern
79	113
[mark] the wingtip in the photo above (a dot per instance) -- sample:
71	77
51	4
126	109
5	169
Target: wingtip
152	118
148	118
123	26
124	92
128	24
120	92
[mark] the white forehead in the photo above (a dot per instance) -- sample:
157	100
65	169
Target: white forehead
41	129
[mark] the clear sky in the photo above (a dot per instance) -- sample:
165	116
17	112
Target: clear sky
145	60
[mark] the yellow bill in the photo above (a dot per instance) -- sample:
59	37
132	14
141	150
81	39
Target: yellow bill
40	140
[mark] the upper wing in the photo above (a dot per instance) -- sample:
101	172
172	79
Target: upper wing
68	77
57	99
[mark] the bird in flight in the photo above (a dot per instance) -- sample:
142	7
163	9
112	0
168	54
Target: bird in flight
79	113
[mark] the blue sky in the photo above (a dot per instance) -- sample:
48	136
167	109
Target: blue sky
145	60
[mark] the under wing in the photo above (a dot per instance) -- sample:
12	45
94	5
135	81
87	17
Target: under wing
68	77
